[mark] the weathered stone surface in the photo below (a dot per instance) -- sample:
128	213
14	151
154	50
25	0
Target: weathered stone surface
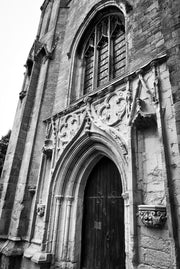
133	120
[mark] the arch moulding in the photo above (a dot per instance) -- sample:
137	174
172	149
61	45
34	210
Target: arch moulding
123	6
68	184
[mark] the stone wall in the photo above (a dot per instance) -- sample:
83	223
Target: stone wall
136	115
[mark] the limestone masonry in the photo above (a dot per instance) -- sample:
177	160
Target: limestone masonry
91	178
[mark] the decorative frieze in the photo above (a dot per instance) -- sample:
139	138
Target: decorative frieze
68	127
130	102
152	216
112	109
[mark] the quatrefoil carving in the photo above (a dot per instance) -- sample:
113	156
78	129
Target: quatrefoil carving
69	128
113	109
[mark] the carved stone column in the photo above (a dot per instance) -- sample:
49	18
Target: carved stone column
59	199
69	200
125	196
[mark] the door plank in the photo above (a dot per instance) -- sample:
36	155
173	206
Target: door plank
103	219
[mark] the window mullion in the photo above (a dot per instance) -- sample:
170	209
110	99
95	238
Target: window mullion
109	50
95	60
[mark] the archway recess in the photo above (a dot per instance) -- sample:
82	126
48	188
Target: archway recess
68	186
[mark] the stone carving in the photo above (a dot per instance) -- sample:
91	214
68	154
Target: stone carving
87	124
97	121
107	113
143	119
152	216
128	98
40	210
142	112
113	109
155	97
48	148
68	127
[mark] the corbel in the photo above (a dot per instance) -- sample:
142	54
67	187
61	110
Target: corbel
48	148
152	216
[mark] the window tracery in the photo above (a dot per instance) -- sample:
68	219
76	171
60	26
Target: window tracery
105	53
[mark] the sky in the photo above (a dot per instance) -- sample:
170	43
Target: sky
18	27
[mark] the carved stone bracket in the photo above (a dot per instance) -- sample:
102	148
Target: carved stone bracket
152	216
48	148
40	210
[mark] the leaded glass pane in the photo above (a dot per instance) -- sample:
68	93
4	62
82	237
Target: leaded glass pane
105	53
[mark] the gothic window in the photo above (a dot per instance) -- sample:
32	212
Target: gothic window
104	53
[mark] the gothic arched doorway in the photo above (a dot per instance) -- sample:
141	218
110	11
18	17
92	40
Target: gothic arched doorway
103	243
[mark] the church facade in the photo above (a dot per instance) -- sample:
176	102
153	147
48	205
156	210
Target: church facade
91	178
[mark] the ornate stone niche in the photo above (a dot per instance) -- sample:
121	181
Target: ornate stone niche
48	148
152	216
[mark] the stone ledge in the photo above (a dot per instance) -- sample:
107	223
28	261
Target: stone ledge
41	258
31	250
11	248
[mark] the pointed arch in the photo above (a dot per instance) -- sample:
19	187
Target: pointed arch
68	185
81	155
81	81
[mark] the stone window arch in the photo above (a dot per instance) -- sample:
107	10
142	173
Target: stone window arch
105	53
101	53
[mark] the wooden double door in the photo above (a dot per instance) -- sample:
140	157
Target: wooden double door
103	245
